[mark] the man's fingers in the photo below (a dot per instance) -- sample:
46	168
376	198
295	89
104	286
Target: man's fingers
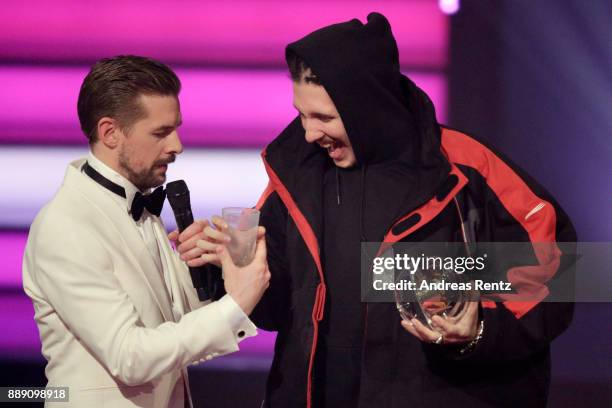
224	257
442	325
467	317
193	253
261	231
472	309
260	249
219	222
210	259
173	236
207	246
453	330
192	230
458	330
197	262
426	334
207	234
190	243
409	327
217	235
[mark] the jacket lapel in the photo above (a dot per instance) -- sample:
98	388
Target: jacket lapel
175	271
118	219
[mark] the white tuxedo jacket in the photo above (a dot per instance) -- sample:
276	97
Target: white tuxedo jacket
106	321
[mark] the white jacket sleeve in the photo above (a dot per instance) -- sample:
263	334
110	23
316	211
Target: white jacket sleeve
76	274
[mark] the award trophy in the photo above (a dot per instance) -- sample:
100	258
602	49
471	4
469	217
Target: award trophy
434	291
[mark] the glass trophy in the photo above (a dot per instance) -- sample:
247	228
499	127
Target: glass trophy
434	291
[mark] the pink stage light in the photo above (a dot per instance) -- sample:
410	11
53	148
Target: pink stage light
449	6
20	337
12	245
238	32
220	107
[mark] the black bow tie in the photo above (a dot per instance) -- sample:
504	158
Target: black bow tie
153	202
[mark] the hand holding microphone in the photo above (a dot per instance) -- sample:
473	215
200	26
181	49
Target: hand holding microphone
206	281
199	245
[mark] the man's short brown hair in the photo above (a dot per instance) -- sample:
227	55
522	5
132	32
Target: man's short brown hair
112	88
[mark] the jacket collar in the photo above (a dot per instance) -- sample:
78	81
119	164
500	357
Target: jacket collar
130	189
299	167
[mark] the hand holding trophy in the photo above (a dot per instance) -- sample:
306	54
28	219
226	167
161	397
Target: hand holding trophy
440	307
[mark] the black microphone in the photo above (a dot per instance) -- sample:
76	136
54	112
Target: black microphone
205	280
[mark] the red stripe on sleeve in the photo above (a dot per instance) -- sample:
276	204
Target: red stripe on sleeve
535	215
264	196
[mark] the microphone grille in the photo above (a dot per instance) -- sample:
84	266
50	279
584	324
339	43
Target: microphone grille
178	194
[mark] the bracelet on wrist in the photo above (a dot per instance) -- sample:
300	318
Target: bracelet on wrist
472	344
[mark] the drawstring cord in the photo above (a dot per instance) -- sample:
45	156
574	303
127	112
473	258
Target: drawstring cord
362	206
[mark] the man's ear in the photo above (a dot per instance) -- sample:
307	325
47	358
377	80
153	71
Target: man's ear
108	132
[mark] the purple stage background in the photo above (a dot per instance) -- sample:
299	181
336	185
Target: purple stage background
236	95
239	33
231	107
531	77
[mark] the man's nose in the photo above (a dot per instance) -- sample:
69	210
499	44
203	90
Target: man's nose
313	136
312	133
175	146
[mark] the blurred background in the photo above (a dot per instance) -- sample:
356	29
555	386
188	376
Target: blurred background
532	78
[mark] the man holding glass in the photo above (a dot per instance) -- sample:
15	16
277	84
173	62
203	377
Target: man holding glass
119	319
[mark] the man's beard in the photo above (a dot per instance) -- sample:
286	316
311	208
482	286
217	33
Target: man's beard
146	178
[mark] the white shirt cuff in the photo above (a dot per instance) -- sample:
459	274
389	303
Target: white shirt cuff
238	321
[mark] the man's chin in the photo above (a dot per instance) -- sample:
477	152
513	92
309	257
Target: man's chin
153	182
344	163
160	180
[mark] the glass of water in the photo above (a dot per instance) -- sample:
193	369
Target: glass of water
242	223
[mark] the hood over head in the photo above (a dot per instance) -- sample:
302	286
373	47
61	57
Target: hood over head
385	114
390	122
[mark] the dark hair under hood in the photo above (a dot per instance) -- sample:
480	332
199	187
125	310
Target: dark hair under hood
387	117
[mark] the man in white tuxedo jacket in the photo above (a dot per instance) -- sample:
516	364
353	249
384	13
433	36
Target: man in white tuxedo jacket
119	319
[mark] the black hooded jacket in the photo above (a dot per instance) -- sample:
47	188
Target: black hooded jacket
413	181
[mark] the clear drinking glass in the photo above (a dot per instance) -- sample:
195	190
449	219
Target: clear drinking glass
243	223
